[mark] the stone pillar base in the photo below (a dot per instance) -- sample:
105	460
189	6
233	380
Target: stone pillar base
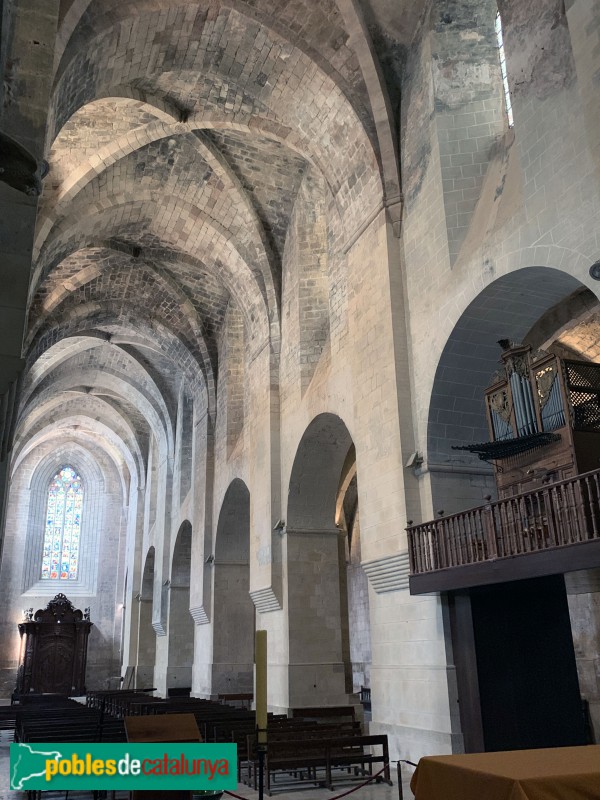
313	685
414	743
232	678
144	677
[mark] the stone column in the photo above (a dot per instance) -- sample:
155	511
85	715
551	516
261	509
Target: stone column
317	672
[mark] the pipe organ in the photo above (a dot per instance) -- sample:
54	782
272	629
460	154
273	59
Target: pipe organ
544	419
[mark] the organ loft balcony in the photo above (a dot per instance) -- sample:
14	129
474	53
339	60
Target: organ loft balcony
544	422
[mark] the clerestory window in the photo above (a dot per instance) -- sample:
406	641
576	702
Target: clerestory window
60	554
502	56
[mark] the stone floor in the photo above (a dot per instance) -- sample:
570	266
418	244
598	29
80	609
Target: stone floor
373	792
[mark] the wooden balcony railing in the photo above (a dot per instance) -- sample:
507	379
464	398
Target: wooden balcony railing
557	515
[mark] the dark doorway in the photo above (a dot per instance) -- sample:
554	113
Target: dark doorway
523	663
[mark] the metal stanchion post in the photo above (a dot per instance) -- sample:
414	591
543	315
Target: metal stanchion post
261	772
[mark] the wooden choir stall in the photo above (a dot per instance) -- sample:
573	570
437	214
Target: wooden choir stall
54	644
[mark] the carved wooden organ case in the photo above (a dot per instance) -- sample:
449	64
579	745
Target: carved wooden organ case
54	649
544	419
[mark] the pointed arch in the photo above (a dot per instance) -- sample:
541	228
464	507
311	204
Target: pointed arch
234	610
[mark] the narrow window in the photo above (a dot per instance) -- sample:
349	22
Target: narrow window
60	556
502	55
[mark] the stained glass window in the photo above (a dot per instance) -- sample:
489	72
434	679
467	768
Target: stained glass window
60	555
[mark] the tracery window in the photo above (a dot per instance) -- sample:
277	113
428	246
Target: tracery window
502	56
60	555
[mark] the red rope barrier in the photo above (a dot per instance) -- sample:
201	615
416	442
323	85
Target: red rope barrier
336	796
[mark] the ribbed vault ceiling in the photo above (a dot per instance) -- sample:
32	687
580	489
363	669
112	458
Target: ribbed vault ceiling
179	136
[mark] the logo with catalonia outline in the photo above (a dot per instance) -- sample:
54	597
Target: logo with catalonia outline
92	766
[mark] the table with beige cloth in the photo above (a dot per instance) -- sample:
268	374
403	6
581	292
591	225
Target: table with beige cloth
558	773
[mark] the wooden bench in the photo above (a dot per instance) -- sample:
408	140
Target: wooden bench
107	699
346	752
179	691
34	725
241	699
302	758
299	759
284	729
66	721
325	712
8	717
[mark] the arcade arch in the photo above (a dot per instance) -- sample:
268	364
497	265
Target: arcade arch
233	643
146	655
327	603
508	308
181	624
